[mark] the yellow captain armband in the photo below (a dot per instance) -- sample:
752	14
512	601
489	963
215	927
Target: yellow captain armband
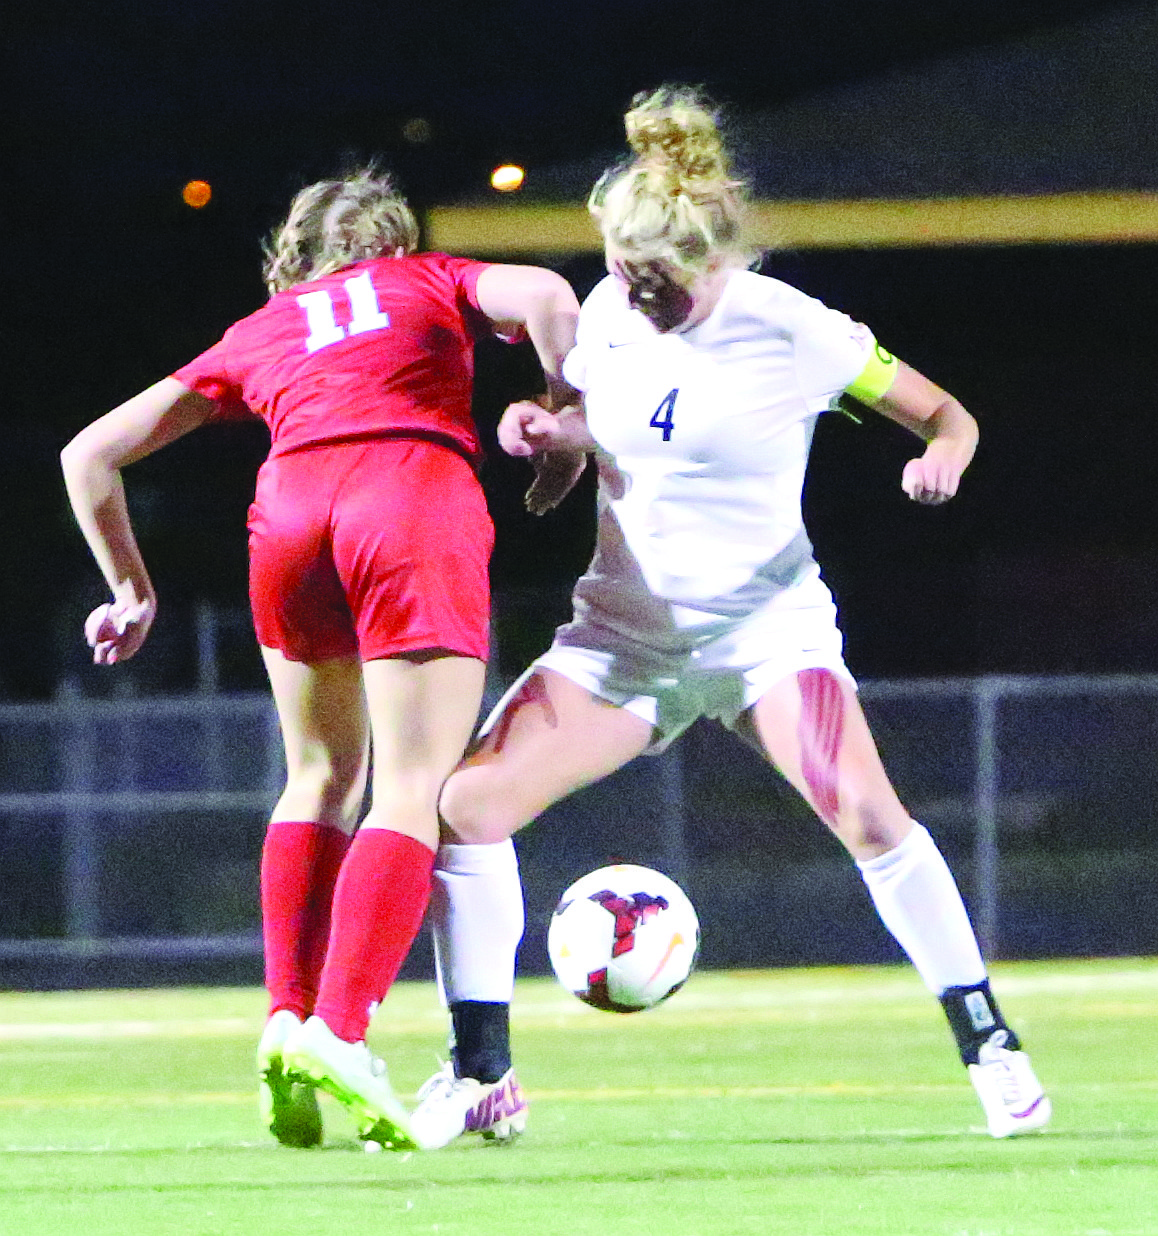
876	377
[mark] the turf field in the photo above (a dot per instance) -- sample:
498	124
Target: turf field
810	1102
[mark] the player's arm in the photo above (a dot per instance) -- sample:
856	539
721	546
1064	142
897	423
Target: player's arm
543	303
557	443
92	464
898	391
528	429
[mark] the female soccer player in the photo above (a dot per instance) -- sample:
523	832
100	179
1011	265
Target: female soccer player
701	381
369	542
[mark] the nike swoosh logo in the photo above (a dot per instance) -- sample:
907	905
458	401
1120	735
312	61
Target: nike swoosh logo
673	944
626	343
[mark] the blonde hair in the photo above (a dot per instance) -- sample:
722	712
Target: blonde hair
677	201
335	223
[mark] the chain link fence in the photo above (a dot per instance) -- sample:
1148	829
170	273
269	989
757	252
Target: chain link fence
130	831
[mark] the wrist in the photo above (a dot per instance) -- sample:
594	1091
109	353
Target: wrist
128	593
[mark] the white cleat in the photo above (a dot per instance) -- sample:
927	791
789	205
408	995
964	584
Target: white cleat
449	1106
355	1077
1009	1091
289	1109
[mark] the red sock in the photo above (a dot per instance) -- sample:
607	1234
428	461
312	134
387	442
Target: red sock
299	868
378	907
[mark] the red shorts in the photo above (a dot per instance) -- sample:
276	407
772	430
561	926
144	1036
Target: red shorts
370	549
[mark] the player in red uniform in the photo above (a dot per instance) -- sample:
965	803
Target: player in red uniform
369	542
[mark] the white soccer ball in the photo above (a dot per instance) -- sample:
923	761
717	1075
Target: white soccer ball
623	938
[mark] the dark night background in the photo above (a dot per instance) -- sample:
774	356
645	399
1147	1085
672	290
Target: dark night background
1046	562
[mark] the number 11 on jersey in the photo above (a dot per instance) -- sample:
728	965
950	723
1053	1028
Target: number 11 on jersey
664	416
365	313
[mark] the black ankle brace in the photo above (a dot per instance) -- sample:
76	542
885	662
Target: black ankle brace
973	1017
481	1039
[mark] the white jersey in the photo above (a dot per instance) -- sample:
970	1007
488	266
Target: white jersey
705	436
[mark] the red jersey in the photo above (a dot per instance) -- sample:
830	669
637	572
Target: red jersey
381	348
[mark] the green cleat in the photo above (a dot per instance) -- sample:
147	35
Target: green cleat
289	1109
314	1055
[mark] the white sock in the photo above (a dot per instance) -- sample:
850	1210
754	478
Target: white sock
918	901
476	906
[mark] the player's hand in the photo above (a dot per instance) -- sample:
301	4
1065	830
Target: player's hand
555	477
114	631
934	477
526	429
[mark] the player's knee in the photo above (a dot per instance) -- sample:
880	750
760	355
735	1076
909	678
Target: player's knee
355	793
476	808
331	785
868	827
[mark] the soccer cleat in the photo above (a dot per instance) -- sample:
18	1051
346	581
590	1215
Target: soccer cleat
1009	1091
356	1078
289	1109
449	1106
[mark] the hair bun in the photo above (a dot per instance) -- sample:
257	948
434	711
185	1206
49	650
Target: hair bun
675	201
674	132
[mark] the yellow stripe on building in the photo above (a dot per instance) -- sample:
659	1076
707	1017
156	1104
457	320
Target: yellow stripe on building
1059	218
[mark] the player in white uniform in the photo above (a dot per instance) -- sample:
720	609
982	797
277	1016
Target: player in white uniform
702	563
702	382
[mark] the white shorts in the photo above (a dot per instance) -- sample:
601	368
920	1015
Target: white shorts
720	678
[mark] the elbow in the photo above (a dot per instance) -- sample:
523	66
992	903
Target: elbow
83	456
951	417
972	430
77	454
551	283
73	458
555	295
567	307
565	296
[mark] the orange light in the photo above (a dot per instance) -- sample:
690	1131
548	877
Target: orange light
197	194
507	178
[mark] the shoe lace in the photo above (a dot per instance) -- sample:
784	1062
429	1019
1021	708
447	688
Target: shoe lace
998	1058
374	1064
440	1087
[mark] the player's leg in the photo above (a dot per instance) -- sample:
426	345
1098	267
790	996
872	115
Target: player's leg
548	739
812	728
400	572
422	708
477	914
325	734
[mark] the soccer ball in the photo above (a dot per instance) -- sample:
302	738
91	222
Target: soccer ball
623	938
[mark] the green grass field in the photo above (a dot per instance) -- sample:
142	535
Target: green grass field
810	1102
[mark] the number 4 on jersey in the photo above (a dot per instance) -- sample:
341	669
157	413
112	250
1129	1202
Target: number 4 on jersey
365	314
664	416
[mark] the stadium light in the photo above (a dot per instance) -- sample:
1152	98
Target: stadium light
197	194
507	178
